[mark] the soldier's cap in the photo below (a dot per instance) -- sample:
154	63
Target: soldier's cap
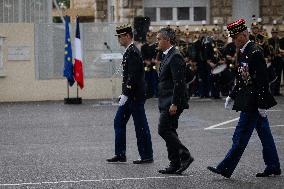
187	34
178	31
274	30
216	29
236	27
203	29
123	29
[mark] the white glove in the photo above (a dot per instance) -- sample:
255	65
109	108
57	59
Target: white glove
262	112
122	100
229	103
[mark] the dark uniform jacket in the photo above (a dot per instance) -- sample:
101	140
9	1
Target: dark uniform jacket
172	81
274	43
149	52
251	90
252	37
133	84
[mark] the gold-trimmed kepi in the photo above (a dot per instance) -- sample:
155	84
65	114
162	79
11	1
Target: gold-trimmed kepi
237	27
123	29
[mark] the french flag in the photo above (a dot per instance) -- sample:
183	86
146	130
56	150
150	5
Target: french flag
78	65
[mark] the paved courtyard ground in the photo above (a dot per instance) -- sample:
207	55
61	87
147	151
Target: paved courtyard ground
52	145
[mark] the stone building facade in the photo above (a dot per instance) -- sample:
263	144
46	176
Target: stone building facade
222	10
272	10
267	10
119	10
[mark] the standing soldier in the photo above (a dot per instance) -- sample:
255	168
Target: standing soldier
277	60
193	57
131	101
215	58
203	47
190	57
251	96
229	52
149	54
254	31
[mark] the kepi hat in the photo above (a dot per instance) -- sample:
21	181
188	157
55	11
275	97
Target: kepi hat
236	27
123	29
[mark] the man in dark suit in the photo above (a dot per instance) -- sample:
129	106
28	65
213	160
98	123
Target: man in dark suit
252	97
172	101
131	102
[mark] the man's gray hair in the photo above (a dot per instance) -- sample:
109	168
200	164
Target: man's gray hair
168	33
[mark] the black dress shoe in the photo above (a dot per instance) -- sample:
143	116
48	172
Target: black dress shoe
141	161
169	170
215	170
185	164
117	159
267	173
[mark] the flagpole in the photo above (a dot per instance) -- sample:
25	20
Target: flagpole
77	91
67	90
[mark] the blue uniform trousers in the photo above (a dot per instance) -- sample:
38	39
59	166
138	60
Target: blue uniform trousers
203	85
151	78
242	134
144	143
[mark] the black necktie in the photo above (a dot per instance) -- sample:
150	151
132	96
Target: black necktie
163	57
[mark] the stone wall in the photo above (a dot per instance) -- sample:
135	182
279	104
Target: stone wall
271	10
129	9
100	10
18	81
82	3
221	10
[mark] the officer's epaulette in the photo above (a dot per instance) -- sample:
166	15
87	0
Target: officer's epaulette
255	51
133	49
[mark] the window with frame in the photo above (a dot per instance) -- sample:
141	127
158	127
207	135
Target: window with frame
199	13
183	13
151	13
166	13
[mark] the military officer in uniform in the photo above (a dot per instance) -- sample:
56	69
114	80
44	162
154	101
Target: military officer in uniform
277	60
229	52
172	101
131	102
203	69
254	31
149	53
251	96
215	58
191	59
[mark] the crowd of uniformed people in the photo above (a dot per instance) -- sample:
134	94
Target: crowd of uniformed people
211	59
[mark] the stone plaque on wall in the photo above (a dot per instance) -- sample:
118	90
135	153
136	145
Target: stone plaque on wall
19	53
